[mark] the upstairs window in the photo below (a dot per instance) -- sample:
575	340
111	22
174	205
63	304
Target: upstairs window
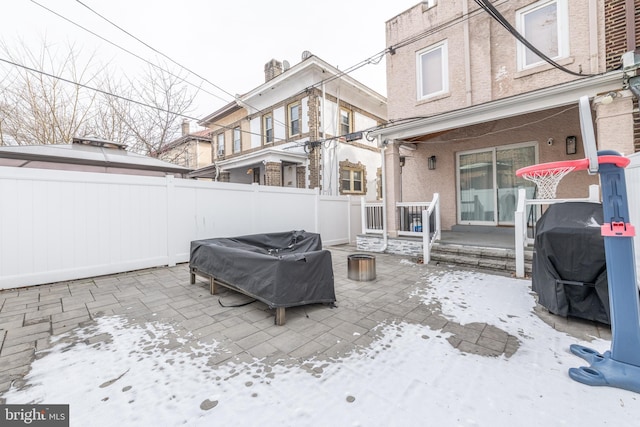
268	128
237	140
220	144
294	119
432	71
352	178
544	24
345	122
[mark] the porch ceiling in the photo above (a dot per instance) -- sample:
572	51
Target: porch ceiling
540	100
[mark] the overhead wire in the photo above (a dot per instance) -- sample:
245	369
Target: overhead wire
495	14
111	94
234	97
126	50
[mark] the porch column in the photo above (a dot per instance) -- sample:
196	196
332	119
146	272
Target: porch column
224	177
273	174
301	177
614	123
393	184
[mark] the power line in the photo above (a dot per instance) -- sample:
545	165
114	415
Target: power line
155	50
113	95
127	51
493	12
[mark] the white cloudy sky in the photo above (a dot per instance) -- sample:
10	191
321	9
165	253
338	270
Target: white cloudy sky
227	42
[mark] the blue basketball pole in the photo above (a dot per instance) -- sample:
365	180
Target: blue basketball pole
619	367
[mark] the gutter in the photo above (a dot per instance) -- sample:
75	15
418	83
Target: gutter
539	100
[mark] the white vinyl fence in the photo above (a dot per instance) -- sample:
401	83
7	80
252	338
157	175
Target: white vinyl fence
61	225
632	177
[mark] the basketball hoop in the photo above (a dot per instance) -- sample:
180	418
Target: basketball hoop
547	180
546	176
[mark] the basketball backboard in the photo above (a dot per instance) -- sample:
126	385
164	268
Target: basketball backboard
588	136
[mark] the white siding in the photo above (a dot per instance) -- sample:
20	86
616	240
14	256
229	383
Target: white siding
255	124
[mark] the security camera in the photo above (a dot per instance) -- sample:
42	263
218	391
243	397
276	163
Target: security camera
550	141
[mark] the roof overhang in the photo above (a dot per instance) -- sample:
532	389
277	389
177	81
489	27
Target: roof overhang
539	100
270	155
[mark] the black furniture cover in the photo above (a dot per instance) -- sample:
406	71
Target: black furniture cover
569	266
280	269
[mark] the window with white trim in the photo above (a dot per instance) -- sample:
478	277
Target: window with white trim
294	118
267	123
432	71
237	140
345	122
545	25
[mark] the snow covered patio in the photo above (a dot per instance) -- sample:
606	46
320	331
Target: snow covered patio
420	345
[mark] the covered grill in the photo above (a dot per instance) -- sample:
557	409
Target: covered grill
569	266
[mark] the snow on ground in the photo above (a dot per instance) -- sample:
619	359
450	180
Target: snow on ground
143	375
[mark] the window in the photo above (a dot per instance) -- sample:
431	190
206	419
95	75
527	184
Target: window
345	122
220	144
237	139
352	178
545	25
432	71
294	119
268	128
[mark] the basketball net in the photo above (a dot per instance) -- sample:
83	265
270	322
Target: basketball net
547	180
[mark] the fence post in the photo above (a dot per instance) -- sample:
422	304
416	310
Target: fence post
316	214
426	246
520	227
363	214
171	218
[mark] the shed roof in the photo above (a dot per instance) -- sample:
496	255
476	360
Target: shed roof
84	152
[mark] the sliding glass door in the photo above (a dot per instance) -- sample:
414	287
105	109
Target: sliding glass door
487	183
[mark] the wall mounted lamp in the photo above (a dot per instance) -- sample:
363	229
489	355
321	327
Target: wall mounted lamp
432	163
402	161
607	98
571	144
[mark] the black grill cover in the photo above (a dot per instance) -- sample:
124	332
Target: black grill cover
569	248
280	269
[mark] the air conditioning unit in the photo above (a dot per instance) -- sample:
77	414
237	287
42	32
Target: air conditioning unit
220	151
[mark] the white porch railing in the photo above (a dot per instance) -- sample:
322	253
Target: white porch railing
418	219
372	217
409	218
522	238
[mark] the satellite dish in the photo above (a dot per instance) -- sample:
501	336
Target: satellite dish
285	65
306	54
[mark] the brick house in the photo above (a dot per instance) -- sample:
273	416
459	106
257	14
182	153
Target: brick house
301	128
483	105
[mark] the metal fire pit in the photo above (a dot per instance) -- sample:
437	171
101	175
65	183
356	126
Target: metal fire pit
361	267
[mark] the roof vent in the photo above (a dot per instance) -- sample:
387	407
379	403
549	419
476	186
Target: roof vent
97	142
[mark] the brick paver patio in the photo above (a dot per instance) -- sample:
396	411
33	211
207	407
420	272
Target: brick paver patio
30	316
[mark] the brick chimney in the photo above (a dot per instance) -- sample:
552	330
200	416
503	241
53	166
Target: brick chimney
272	69
185	127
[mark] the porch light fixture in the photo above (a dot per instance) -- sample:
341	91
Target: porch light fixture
571	144
432	163
402	161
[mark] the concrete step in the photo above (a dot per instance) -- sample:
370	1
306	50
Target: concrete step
495	259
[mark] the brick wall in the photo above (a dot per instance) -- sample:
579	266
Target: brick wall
273	174
301	179
616	45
